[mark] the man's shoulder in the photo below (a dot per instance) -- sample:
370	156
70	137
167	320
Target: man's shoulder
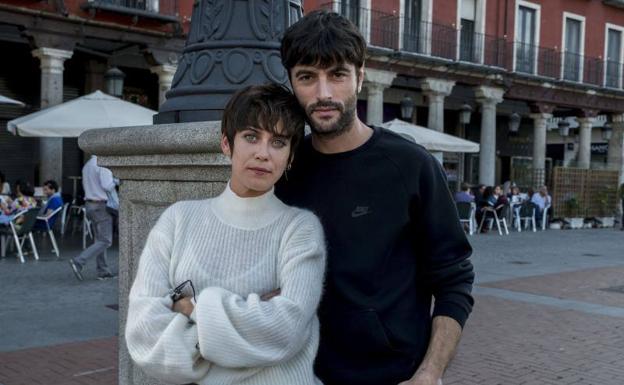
401	147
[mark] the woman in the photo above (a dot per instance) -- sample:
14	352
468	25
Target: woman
24	200
235	249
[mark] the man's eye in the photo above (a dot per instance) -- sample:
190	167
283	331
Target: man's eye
340	75
304	78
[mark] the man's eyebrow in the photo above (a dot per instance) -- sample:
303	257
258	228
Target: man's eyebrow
304	71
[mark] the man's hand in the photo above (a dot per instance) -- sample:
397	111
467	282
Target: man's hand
184	306
268	296
422	378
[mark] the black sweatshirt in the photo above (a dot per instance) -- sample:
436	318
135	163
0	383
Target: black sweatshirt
394	240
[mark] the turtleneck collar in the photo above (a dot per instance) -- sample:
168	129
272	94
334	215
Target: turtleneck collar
247	213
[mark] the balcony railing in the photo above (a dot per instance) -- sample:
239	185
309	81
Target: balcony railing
436	40
165	10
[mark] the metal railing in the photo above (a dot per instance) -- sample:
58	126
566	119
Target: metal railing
397	32
143	7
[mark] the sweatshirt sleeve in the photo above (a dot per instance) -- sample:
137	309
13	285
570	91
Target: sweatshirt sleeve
447	269
247	332
160	341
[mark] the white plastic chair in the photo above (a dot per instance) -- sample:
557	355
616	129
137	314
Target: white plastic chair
494	217
545	217
47	219
467	212
86	227
19	234
526	213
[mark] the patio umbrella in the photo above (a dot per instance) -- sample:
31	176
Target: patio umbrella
5	100
430	139
70	119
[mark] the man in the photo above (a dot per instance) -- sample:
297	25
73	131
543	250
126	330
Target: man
97	183
394	238
542	200
464	195
50	190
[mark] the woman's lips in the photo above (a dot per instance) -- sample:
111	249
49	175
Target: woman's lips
259	170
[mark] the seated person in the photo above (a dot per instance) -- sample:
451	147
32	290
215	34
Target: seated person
50	190
542	200
23	201
464	195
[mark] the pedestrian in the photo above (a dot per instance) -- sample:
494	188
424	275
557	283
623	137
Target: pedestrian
97	182
234	249
622	199
5	187
393	233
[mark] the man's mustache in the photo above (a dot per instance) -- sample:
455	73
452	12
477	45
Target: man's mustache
325	104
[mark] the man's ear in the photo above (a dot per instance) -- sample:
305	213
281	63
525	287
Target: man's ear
360	77
225	146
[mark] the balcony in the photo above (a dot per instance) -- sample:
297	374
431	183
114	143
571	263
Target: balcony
434	40
162	10
614	3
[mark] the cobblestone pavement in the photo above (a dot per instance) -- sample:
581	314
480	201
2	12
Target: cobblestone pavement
549	310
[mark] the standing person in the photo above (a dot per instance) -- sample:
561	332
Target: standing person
394	237
622	198
234	248
5	187
97	182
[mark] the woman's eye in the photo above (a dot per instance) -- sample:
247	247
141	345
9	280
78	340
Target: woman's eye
279	143
250	138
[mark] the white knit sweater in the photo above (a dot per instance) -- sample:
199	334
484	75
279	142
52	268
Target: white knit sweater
233	250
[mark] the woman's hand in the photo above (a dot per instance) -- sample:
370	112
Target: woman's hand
184	306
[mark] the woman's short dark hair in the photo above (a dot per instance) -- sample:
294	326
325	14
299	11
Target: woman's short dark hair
263	107
323	38
24	188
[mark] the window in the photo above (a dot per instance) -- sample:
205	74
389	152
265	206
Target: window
614	54
412	25
351	10
573	50
467	51
526	40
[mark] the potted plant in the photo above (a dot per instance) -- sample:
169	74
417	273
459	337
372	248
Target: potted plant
572	207
605	199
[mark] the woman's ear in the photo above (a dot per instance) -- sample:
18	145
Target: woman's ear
225	146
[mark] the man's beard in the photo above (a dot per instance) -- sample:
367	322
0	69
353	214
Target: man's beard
341	126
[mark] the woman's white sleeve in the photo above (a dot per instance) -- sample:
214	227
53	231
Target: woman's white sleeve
248	332
160	341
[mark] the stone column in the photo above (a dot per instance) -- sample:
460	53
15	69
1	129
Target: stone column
165	74
51	149
540	121
488	98
157	165
616	143
585	131
436	90
376	81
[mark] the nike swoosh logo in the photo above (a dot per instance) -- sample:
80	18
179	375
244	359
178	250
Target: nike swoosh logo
360	211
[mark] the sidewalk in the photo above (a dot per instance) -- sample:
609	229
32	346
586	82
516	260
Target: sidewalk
549	310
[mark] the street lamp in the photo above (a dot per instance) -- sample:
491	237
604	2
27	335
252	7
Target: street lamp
514	122
564	128
607	131
407	108
114	81
464	113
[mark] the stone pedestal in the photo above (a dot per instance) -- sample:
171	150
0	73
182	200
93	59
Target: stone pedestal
51	149
157	165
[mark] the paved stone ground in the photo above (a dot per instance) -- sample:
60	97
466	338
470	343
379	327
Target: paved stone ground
548	311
